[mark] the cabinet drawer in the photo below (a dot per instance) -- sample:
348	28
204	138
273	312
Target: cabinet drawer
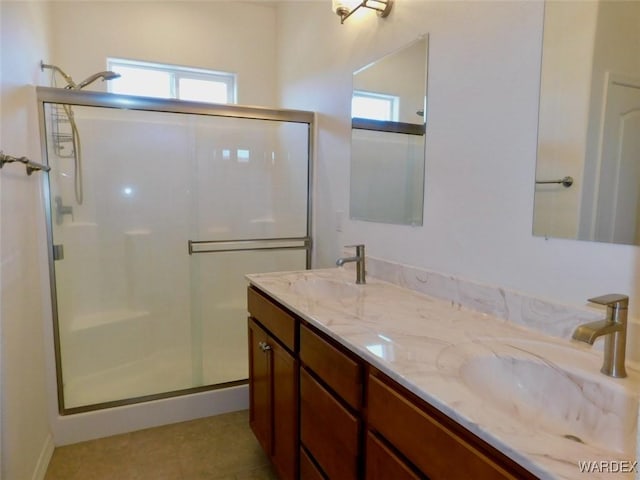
383	464
337	370
435	449
327	430
278	321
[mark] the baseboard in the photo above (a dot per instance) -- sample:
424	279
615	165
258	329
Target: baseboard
43	460
113	421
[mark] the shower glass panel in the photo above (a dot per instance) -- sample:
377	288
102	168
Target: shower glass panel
148	272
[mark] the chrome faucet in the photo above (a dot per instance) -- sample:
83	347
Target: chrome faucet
614	327
359	259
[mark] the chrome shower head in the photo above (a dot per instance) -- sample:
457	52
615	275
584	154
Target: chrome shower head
107	75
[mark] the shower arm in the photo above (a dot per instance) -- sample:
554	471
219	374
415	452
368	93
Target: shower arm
67	78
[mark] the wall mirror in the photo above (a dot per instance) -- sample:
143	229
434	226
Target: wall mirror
588	165
388	137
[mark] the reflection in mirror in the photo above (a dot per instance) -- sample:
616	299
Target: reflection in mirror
589	124
388	137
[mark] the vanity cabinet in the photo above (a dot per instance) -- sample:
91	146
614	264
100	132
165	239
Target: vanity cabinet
322	412
273	386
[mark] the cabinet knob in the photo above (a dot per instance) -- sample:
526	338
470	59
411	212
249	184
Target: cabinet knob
264	346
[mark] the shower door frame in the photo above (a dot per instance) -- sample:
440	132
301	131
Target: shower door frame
82	98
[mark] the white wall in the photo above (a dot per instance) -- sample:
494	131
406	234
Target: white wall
484	71
231	36
26	441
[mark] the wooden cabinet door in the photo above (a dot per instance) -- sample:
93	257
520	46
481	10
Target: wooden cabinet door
259	387
273	406
284	452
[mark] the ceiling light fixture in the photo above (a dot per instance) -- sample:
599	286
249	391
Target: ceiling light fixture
382	7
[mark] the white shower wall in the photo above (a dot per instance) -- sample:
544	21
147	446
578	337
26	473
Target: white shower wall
109	284
137	314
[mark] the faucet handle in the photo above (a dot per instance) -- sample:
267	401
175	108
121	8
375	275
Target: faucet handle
615	300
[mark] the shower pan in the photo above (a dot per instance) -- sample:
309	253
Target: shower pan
181	200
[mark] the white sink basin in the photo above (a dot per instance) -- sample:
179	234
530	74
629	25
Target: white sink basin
322	288
543	395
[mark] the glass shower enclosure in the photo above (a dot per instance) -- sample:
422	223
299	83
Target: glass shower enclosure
179	201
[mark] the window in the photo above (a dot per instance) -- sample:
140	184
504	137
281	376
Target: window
169	81
374	106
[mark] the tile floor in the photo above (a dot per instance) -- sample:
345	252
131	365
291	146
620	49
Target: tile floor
214	448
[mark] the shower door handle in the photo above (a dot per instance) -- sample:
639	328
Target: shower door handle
58	252
251	245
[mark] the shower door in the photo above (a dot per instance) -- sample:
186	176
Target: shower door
178	205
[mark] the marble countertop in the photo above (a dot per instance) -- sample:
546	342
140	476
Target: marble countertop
541	400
